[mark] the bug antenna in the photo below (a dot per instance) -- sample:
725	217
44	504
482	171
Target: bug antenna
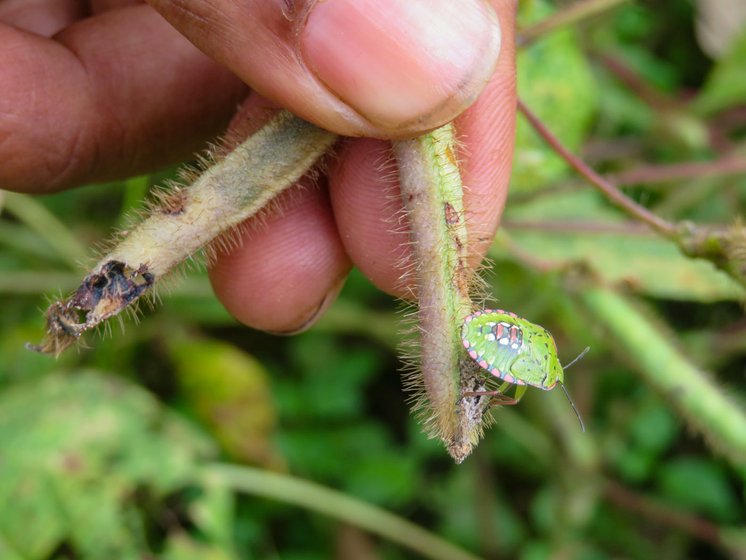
579	357
569	398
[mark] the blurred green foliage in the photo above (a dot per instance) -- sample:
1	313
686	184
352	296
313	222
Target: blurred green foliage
102	451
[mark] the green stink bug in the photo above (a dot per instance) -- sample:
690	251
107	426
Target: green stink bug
515	350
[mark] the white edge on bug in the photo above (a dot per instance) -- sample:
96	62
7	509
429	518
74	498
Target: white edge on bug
517	351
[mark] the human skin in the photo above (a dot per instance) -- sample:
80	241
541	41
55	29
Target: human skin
106	89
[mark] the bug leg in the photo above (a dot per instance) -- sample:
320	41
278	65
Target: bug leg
499	398
520	391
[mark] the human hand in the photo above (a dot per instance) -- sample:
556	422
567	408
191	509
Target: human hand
120	92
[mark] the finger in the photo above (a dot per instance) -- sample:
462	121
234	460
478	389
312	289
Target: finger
114	95
98	6
47	17
487	131
288	269
43	17
364	188
386	68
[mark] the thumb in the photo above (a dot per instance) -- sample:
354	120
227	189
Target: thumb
384	68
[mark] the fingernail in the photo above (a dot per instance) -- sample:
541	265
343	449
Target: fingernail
398	61
307	320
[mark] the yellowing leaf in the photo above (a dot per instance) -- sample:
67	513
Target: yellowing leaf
229	391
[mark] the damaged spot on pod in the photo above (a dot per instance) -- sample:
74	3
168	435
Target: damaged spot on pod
102	294
514	350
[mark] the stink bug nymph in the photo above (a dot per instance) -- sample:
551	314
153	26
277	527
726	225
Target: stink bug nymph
515	350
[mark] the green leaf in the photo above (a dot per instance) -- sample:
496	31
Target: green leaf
726	84
317	450
652	430
76	451
332	379
653	427
555	81
699	485
385	478
571	228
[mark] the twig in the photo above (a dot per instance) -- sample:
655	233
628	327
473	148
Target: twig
624	228
661	513
610	190
652	96
570	15
729	165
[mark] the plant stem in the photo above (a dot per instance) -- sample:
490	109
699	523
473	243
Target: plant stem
26	282
432	194
658	512
690	390
610	190
570	15
578	227
135	190
641	87
35	215
729	165
326	501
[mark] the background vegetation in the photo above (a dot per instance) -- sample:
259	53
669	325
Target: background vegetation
160	439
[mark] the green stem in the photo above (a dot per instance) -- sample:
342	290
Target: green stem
135	191
326	501
26	282
35	215
34	282
692	391
432	196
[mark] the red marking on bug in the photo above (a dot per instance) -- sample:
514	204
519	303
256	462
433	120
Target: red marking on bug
499	331
515	333
509	313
